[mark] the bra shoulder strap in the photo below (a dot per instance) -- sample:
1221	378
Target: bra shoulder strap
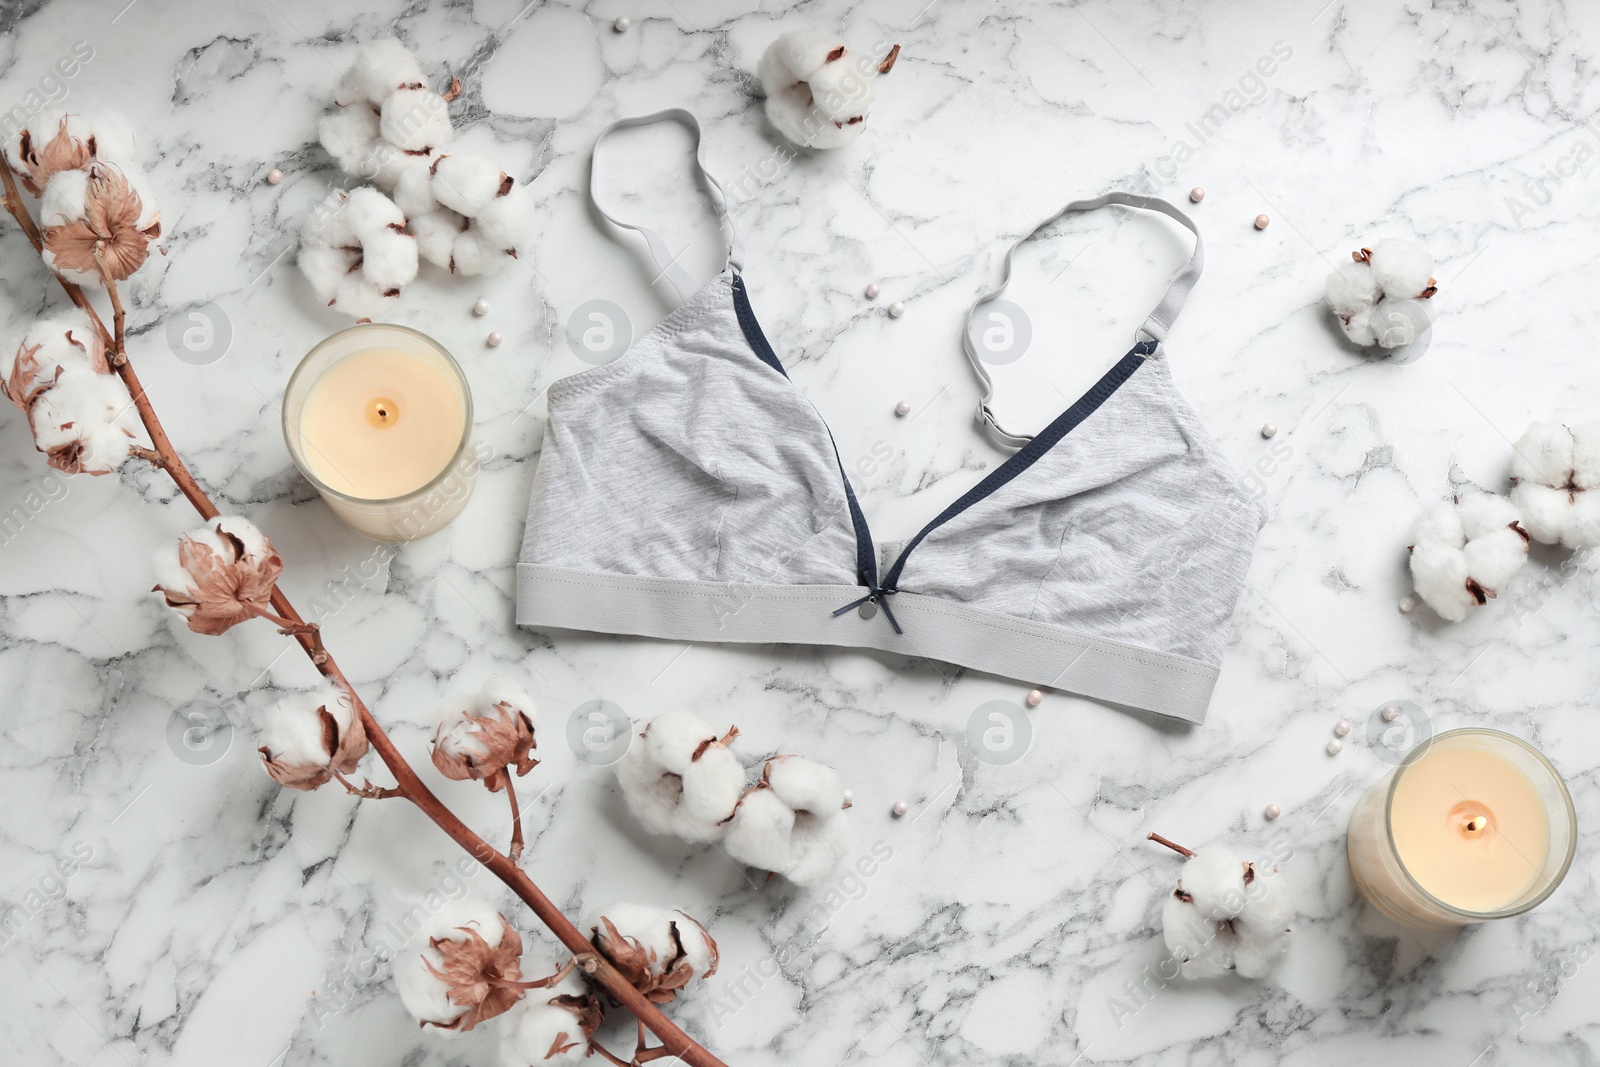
666	260
1155	327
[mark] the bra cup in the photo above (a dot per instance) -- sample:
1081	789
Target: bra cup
1133	527
690	458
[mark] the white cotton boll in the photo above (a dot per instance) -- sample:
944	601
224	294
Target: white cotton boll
1493	558
1583	531
1398	323
652	795
1214	877
88	412
436	234
1543	454
380	68
673	738
1202	948
66	198
1546	513
389	259
1440	522
1586	456
350	136
327	223
841	92
645	923
533	1030
476	252
1557	470
1465	552
424	995
370	212
798	54
1262	928
698	947
710	789
68	339
360	299
1361	328
1439	572
509	218
1484	513
816	846
805	785
818	91
760	832
415	120
412	188
1401	268
465	182
788	108
257	547
113	137
1352	289
291	729
325	267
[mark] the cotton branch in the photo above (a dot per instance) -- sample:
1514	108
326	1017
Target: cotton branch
674	1040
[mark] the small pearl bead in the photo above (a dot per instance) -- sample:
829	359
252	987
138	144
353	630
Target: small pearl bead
1269	430
896	309
873	291
494	339
1035	698
849	797
1341	728
1408	604
1335	747
622	24
1262	221
1391	713
274	176
1196	195
480	307
900	808
1273	811
903	408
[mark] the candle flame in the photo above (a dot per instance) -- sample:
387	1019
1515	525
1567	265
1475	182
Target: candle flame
383	412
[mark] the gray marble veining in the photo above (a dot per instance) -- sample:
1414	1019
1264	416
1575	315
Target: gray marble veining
169	906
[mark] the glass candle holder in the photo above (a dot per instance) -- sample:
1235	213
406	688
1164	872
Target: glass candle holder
379	418
1473	825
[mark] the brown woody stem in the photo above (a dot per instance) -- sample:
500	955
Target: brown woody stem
408	784
516	816
1158	839
368	791
119	317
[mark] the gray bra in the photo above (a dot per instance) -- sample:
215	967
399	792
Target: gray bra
687	490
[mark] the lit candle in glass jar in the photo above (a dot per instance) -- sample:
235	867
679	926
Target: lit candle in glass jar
1474	824
379	418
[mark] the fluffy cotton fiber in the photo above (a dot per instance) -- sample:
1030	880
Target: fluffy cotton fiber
1382	298
1226	915
819	91
680	780
1556	474
425	996
1464	553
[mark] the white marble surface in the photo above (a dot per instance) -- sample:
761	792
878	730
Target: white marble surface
213	919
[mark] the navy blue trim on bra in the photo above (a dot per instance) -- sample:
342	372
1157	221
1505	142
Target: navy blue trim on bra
866	554
753	334
1030	453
